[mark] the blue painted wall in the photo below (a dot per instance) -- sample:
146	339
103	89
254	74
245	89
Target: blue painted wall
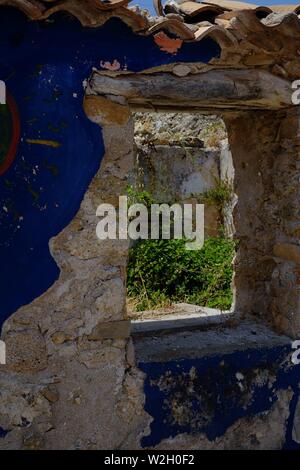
60	150
209	396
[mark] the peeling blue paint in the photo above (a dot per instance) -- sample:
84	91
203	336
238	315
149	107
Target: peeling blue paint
3	433
290	444
211	397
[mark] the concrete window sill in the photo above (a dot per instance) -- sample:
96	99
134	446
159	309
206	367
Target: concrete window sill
199	334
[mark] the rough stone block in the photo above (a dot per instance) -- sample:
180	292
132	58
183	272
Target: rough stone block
113	330
105	112
26	351
288	251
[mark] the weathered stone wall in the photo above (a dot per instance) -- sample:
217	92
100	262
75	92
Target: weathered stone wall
285	284
70	380
178	159
217	397
266	217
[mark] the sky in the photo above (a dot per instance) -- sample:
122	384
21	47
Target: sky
149	4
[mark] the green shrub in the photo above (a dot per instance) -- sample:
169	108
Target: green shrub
136	196
161	272
220	195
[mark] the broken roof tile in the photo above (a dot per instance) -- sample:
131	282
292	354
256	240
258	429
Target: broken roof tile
244	29
193	8
194	12
221	35
232	5
173	26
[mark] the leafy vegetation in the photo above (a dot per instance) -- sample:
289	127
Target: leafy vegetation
161	272
139	197
219	195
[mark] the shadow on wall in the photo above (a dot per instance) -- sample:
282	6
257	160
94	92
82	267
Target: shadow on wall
59	151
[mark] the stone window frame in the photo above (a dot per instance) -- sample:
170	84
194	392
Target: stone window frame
251	102
87	304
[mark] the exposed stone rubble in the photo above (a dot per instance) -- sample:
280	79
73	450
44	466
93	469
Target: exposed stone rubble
190	130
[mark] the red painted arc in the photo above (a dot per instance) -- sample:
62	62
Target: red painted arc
16	131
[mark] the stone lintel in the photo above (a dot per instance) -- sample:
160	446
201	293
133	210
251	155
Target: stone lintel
221	88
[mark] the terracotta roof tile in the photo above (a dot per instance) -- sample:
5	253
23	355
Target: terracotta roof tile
286	8
248	34
193	12
216	32
173	26
158	7
232	5
194	8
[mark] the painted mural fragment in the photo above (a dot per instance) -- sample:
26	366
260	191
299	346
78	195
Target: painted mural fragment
9	133
114	66
167	44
